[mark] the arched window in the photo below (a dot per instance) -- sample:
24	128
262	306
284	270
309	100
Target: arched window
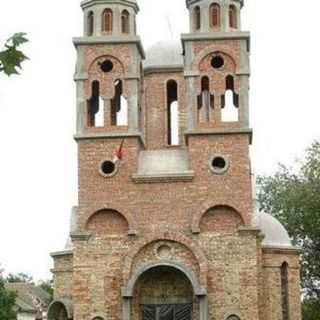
90	23
125	28
233	17
107	20
95	107
215	15
205	101
284	291
230	102
197	18
119	106
172	113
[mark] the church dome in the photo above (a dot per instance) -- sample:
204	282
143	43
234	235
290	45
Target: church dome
164	54
275	233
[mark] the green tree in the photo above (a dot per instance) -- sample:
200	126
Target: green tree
47	286
7	302
11	57
19	277
293	196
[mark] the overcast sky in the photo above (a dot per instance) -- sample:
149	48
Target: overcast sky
38	179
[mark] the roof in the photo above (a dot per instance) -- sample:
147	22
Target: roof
275	233
28	296
164	54
190	2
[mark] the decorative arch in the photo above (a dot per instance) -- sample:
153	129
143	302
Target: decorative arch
211	51
172	236
103	55
63	307
121	211
197	215
128	290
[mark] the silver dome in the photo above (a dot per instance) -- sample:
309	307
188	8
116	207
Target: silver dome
275	233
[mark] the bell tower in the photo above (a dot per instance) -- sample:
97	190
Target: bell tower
217	66
108	71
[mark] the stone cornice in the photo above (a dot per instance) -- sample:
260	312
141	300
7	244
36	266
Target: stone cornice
281	250
61	253
163	69
89	3
214	36
91	41
220	131
164	178
110	135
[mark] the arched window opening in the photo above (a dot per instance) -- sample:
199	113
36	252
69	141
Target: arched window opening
230	102
285	291
95	107
215	15
125	28
205	101
119	106
107	21
90	23
197	18
172	113
233	17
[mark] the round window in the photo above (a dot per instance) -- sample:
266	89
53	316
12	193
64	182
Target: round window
218	164
217	62
108	168
106	66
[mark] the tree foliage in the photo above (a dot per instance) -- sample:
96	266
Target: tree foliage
11	57
19	277
7	302
293	196
47	286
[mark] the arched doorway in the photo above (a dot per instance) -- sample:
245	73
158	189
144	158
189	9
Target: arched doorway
60	310
164	291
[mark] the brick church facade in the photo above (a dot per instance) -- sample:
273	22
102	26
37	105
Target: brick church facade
166	227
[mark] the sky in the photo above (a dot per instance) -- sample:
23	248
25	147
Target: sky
38	156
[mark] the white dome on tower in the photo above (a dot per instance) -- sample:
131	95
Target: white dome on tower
164	54
275	233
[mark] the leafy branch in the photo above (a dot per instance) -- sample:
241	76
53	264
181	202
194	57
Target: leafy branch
11	57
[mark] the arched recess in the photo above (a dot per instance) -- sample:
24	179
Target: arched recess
90	24
221	219
107	21
109	221
101	56
128	291
199	211
233	23
61	309
198	289
197	18
172	236
210	52
215	19
125	21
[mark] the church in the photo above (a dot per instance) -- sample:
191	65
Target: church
167	225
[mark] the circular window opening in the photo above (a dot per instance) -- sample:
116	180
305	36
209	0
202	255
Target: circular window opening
108	168
219	164
106	66
217	62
